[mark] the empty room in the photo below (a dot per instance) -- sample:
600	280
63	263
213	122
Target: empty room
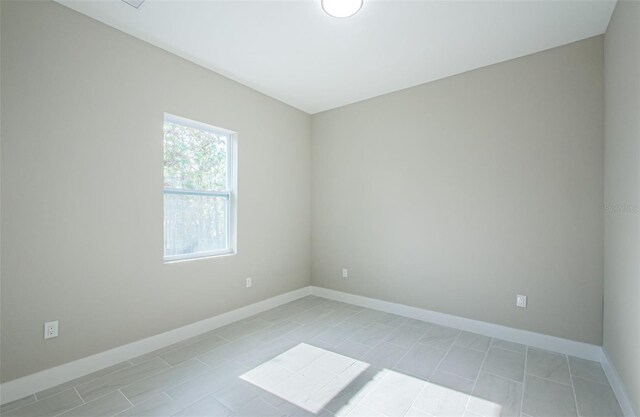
320	208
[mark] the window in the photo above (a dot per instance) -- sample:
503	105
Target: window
198	189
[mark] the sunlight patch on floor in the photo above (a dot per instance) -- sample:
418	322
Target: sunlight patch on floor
315	379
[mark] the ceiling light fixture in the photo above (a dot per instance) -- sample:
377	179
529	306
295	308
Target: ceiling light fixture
341	8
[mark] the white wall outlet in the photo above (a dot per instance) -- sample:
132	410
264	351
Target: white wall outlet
521	301
51	329
248	282
345	273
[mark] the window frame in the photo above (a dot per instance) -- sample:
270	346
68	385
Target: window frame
229	194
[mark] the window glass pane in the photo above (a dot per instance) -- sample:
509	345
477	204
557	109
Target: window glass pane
194	159
194	223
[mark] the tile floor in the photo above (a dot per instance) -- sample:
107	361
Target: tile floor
320	357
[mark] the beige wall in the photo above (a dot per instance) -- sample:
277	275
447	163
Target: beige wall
452	196
458	194
82	240
622	196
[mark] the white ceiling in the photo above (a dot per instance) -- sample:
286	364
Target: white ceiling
294	52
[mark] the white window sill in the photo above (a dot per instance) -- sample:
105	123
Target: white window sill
197	256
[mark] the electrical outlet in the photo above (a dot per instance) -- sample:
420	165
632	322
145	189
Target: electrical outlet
345	273
51	329
521	301
248	282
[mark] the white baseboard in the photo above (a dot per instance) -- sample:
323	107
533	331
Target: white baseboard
542	341
618	387
30	384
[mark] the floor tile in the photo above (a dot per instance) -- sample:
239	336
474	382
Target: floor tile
279	313
503	344
259	408
391	319
449	380
191	351
419	323
273	332
333	362
544	398
307	332
595	399
363	411
414	412
119	379
352	349
160	406
267	375
496	396
51	406
149	387
343	395
78	381
242	328
440	337
311	315
549	365
462	362
298	357
506	363
107	406
159	352
208	383
264	352
406	335
384	355
373	334
366	317
337	334
336	316
302	385
283	405
421	361
586	369
17	404
394	394
473	341
237	394
441	401
229	351
209	407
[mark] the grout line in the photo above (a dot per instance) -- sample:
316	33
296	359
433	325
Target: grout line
507	379
171	366
511	350
435	369
524	377
128	400
203	362
447	353
83	382
573	388
486	354
591	380
545	379
417	342
83	401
